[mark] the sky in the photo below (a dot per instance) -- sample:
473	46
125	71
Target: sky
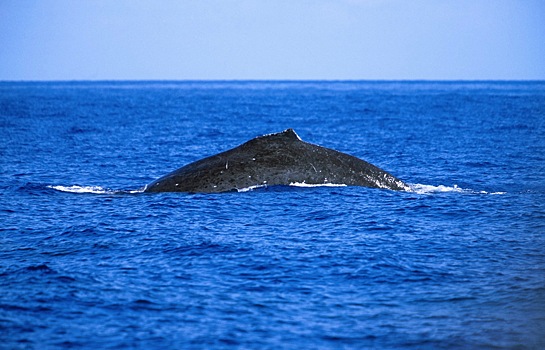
272	39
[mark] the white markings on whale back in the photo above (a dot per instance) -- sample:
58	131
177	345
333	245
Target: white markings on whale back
386	182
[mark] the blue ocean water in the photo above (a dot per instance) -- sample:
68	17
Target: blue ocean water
458	262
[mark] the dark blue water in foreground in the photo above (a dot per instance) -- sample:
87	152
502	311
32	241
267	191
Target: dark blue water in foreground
457	263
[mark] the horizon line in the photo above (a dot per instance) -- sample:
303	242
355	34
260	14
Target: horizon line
258	80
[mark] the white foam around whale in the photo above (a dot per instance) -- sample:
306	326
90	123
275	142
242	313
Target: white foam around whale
90	189
430	189
302	184
416	188
293	184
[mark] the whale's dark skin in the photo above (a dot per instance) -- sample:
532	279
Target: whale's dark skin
275	159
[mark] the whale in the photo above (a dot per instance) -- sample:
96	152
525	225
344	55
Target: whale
279	159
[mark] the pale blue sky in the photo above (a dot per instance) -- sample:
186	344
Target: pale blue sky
266	39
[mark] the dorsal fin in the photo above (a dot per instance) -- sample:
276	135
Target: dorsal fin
288	134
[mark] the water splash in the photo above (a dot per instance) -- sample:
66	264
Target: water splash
416	188
303	184
91	189
430	189
251	188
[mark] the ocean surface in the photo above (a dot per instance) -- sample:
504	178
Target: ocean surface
88	261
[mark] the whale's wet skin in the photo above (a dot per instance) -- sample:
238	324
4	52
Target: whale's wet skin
275	159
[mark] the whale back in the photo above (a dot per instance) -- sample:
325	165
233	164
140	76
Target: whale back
274	159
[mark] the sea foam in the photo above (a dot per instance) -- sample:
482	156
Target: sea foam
91	189
430	189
